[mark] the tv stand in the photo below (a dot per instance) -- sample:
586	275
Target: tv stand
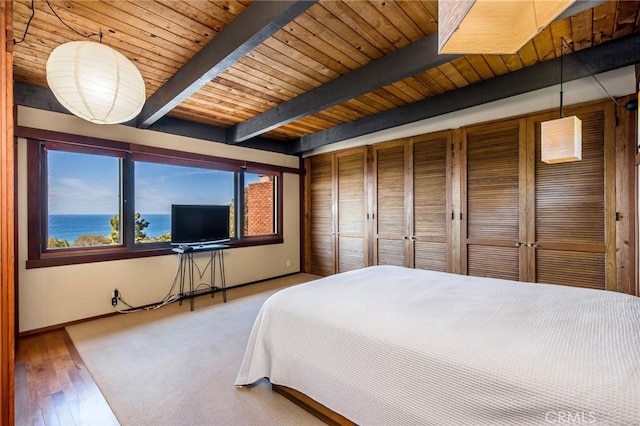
187	262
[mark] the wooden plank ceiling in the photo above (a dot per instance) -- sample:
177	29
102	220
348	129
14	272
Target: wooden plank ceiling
333	51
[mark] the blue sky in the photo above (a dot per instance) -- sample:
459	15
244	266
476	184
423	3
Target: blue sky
89	184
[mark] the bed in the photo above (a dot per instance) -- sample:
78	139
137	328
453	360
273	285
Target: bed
390	345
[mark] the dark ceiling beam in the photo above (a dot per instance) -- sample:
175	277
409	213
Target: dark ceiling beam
601	58
410	60
36	97
407	61
266	144
205	132
257	23
42	98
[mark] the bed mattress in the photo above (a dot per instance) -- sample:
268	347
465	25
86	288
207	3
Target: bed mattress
390	345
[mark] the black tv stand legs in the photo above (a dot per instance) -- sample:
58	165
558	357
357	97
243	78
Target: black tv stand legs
186	270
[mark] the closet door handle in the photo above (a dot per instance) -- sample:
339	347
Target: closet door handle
534	245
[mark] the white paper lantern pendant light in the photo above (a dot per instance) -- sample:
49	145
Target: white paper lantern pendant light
95	82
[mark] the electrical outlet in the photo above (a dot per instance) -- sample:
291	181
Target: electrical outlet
288	263
114	301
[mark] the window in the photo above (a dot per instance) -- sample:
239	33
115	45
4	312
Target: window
260	197
95	200
158	186
83	199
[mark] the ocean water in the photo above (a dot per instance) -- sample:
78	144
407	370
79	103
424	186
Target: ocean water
70	226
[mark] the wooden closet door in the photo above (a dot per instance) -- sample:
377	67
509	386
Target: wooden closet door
431	218
390	204
491	199
351	209
574	228
320	230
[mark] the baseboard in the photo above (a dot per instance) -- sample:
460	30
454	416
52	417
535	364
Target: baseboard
110	314
63	325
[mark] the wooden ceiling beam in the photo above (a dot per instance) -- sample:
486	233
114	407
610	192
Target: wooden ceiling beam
407	61
601	58
410	60
257	23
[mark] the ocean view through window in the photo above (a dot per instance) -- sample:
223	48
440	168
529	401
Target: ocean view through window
83	194
95	200
158	186
71	226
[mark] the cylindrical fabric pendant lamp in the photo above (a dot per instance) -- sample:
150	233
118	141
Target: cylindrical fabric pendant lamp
95	82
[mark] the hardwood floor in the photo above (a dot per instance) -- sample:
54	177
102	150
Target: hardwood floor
53	386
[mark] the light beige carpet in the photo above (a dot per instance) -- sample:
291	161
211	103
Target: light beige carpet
176	367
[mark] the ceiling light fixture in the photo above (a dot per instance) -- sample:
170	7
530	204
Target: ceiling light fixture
561	139
493	26
95	82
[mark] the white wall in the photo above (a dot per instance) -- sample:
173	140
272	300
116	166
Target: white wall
56	295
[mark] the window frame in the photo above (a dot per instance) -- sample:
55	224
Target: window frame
43	146
163	157
38	255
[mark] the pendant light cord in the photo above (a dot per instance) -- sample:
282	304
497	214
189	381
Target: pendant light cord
71	28
565	42
33	12
562	75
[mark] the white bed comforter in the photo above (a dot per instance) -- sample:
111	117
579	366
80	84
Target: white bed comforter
388	345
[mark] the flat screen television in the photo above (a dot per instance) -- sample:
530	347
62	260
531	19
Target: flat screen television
198	224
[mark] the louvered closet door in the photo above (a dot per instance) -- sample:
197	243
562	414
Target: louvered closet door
351	210
491	204
321	245
574	208
431	230
390	223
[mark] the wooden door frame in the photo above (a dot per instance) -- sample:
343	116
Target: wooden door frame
636	221
305	199
7	219
370	224
456	201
